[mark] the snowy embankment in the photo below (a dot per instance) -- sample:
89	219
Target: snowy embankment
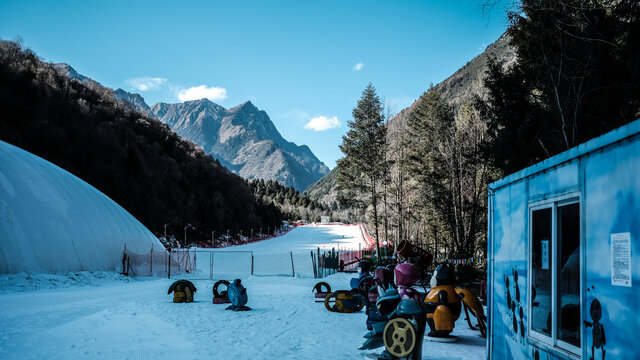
135	318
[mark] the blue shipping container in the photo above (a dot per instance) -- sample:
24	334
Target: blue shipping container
563	254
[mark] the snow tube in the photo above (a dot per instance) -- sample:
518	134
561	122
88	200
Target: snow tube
220	297
238	296
346	301
182	291
321	293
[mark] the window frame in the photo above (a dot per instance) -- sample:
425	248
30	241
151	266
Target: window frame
553	203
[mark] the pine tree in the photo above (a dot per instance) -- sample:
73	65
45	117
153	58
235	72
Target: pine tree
429	124
361	170
577	76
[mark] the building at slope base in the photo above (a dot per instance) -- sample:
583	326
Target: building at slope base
52	221
564	240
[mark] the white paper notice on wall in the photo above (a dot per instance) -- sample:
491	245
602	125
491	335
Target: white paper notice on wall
621	259
545	254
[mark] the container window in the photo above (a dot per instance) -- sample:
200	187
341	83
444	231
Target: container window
554	284
568	282
541	286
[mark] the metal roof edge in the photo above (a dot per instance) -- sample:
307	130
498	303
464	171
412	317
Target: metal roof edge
626	131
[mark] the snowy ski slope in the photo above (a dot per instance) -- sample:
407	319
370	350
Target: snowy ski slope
274	256
122	318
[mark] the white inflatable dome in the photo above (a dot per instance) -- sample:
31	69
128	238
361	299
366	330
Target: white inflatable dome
51	221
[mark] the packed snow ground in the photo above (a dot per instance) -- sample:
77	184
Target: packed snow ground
275	256
114	317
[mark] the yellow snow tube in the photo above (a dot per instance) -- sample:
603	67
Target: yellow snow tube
346	301
185	296
182	291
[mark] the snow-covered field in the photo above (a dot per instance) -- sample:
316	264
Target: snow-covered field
106	316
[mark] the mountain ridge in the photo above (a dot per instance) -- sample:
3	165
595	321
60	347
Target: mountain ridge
162	179
244	139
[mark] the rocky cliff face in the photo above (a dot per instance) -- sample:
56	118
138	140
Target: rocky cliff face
134	99
244	139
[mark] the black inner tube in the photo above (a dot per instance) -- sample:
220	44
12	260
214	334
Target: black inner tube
318	287
222	294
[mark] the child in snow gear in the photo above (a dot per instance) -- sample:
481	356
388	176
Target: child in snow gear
182	291
442	305
238	296
220	297
346	301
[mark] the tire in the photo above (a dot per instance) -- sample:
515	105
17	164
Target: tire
222	294
365	284
318	287
326	302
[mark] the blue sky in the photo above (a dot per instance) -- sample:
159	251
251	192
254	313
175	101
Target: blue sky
304	63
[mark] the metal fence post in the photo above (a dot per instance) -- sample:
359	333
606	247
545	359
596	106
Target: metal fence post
212	256
293	271
324	265
252	263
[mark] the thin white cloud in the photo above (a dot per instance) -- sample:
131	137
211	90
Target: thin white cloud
321	123
200	92
297	115
358	66
146	83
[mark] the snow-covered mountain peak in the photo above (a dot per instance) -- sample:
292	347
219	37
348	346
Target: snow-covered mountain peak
69	71
244	139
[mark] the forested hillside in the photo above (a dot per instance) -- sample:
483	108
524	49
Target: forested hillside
133	158
402	209
293	205
564	72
